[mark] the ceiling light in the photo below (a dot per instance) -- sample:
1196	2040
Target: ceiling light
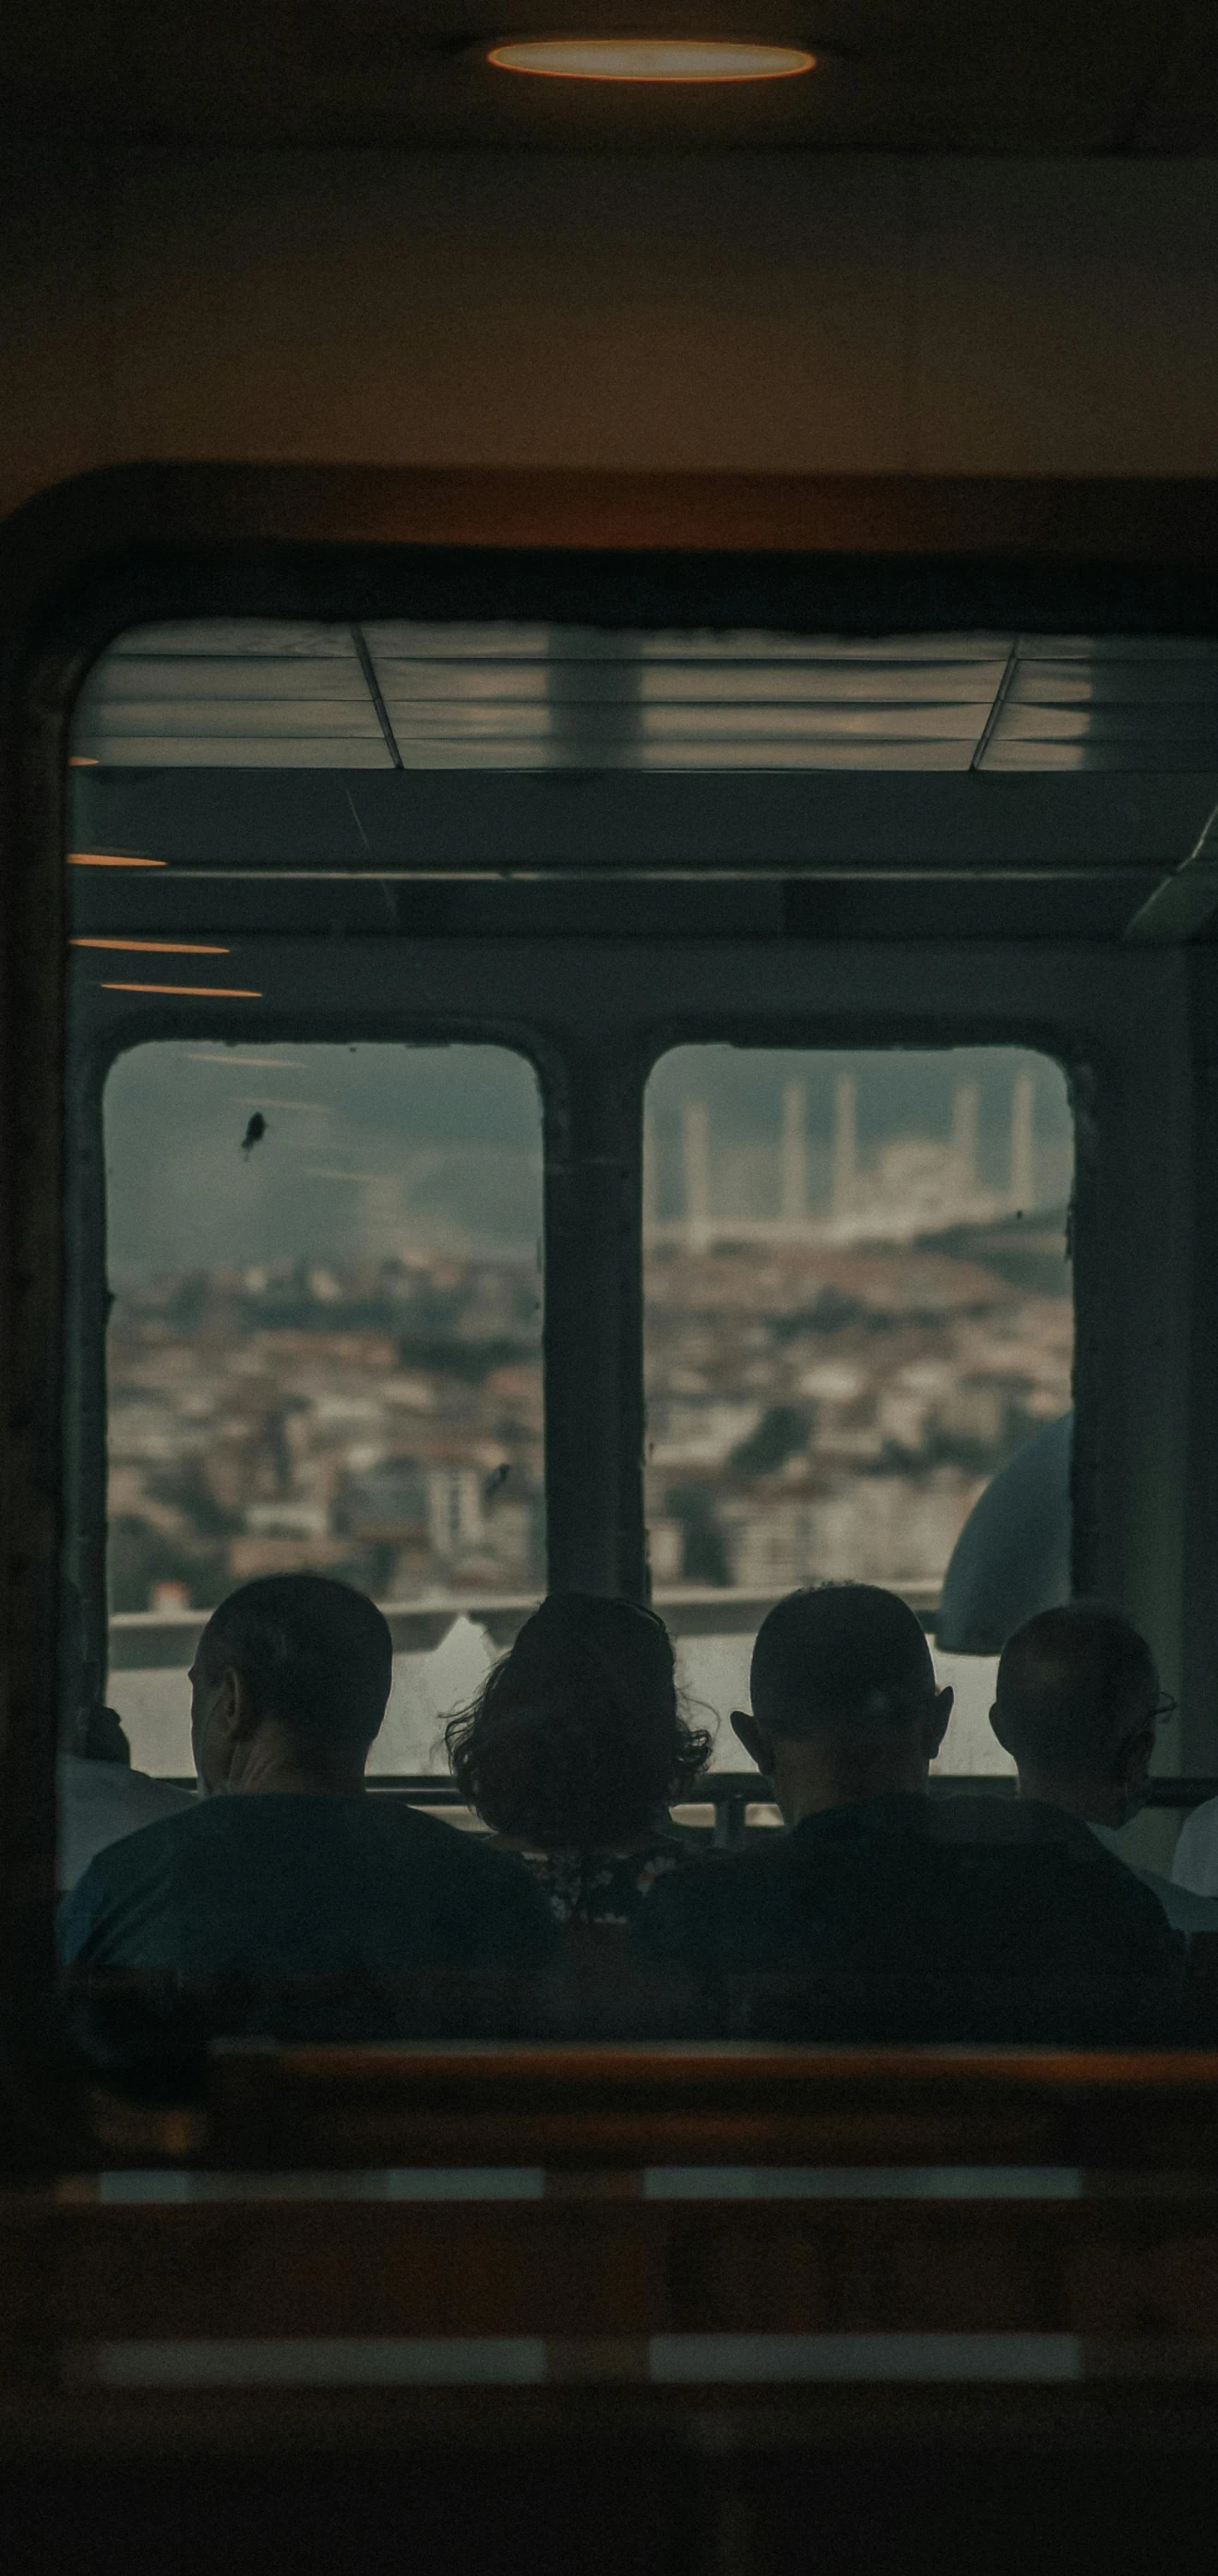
650	58
110	859
202	992
150	947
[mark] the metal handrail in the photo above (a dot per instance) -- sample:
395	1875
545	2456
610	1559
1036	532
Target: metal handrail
430	1789
732	1793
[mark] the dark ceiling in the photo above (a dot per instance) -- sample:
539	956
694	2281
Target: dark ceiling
969	76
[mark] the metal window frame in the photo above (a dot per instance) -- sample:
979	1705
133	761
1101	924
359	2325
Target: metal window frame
592	1019
119	548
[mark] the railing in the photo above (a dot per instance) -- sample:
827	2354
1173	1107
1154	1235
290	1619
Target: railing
732	1793
729	1793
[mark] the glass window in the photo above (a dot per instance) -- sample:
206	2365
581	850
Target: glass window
858	1308
324	1352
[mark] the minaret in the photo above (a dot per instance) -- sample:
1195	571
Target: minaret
964	1139
1023	1144
695	1172
793	1160
845	1144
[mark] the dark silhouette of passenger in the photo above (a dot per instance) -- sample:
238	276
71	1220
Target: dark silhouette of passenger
100	1797
98	1794
573	1750
873	1880
1077	1704
286	1866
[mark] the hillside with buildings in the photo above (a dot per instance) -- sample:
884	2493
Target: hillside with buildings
379	1421
828	1389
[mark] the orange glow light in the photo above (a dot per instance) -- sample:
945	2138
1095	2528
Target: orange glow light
200	992
109	859
650	58
149	947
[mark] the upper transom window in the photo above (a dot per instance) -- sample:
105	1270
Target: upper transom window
391	694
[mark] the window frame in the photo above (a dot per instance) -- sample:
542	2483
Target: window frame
594	1020
115	1033
124	547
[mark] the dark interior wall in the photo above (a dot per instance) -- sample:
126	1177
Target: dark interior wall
735	311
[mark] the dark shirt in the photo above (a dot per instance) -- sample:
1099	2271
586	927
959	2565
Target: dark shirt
298	1885
909	1888
603	1886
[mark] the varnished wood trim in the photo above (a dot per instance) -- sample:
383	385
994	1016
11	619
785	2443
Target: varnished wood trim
1137	2269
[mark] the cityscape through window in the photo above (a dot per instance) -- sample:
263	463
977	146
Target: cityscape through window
858	1307
324	1353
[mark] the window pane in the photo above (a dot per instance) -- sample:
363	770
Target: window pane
252	693
324	1352
858	1307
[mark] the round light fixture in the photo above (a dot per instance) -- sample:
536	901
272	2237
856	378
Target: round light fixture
650	58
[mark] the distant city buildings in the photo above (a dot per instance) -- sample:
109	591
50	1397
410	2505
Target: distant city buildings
380	1421
825	1397
821	1412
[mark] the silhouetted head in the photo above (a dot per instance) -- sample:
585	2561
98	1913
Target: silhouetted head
845	1702
289	1685
1076	1704
576	1738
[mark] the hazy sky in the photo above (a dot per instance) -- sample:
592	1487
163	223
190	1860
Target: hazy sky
374	1146
364	1145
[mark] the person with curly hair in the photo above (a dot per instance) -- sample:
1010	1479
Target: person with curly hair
574	1749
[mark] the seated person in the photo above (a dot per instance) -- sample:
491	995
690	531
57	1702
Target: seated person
873	1881
285	1865
100	1797
573	1749
1076	1705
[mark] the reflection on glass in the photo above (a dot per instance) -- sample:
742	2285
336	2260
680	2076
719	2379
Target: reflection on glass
324	1352
858	1306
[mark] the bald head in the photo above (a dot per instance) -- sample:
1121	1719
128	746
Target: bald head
840	1656
844	1699
1074	1704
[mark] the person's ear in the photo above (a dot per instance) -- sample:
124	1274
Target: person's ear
936	1722
1133	1757
212	1740
757	1741
997	1728
235	1710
